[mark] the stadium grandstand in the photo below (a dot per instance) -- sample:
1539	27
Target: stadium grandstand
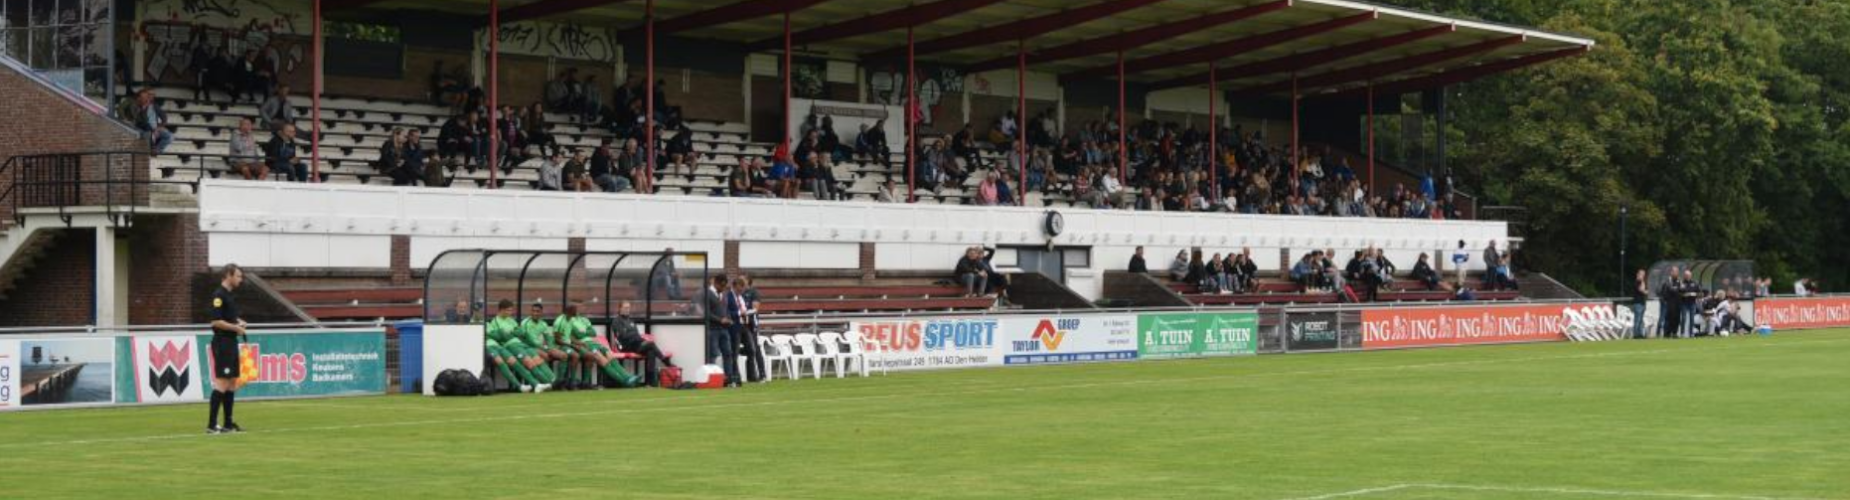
713	194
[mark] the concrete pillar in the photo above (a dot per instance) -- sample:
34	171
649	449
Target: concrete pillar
109	282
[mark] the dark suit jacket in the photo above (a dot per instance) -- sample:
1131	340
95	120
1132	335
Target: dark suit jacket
715	308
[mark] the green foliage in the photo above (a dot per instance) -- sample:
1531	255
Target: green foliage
1724	126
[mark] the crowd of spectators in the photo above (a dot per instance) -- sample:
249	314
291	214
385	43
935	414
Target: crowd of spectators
1360	279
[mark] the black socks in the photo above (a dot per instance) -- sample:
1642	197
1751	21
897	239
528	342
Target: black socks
212	418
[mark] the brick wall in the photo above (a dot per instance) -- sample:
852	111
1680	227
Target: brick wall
401	259
166	254
38	121
59	289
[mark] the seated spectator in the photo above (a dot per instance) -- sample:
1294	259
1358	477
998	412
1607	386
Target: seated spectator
1217	278
783	178
1424	273
280	154
512	140
998	284
1305	272
828	142
604	171
457	138
1234	272
558	91
390	153
819	176
633	163
534	130
276	110
681	156
415	164
577	174
552	173
971	273
888	193
762	186
254	75
1137	263
1463	293
1178	269
986	191
1005	195
218	72
872	144
246	158
146	116
665	277
739	182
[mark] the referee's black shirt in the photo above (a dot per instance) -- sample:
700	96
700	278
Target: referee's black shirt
224	308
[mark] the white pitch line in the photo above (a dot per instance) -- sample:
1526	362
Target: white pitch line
1598	492
783	402
1354	493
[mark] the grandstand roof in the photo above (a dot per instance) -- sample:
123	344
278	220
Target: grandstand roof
1332	45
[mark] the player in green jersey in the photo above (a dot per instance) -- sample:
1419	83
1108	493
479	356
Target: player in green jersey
575	332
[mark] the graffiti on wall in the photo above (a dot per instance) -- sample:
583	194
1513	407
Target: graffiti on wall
888	87
568	41
174	30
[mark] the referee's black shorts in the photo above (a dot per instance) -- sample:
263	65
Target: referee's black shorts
225	362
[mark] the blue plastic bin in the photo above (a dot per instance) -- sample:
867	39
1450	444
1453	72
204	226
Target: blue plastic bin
410	357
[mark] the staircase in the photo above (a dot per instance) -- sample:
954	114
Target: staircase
1539	286
20	249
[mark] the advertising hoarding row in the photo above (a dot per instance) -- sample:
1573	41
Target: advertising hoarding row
938	343
1802	312
100	370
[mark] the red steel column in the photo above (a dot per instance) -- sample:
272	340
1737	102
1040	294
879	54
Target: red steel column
647	186
1371	136
1021	117
1294	132
494	94
1123	156
314	134
1213	131
787	147
912	131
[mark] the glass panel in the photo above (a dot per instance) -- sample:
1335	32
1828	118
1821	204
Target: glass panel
38	48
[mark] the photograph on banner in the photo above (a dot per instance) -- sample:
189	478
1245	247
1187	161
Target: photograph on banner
9	374
1435	326
66	371
927	343
1311	332
1801	313
1068	339
163	369
1188	335
310	364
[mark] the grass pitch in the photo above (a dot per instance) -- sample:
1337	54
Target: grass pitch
1731	418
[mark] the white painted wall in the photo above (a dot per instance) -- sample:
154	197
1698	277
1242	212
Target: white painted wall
269	224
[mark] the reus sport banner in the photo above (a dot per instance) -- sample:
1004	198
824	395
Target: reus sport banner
1434	326
1069	339
166	369
927	343
1189	335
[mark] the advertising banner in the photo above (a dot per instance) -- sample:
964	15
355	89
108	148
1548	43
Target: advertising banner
64	371
1311	332
1435	326
1189	335
926	344
1068	339
165	369
309	364
9	374
1800	313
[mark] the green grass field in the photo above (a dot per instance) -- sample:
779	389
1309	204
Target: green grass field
1732	418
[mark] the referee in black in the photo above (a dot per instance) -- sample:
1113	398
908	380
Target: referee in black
227	330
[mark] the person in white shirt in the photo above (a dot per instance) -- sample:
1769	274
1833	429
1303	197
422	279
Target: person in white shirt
1800	288
1460	257
1112	189
552	171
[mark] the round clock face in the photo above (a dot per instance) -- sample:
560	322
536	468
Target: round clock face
1056	223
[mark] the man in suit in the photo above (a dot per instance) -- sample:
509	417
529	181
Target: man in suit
1667	307
721	340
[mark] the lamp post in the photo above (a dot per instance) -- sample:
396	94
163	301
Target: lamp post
1623	211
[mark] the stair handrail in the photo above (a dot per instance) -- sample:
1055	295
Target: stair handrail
120	213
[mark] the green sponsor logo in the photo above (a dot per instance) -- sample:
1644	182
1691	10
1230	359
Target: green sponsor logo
1185	335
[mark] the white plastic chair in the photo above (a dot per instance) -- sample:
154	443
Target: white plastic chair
778	348
804	351
828	349
856	349
1626	318
1615	327
1576	325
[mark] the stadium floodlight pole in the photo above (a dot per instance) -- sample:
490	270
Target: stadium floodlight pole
1021	119
648	85
1371	136
1123	156
912	130
1623	211
494	93
314	134
1213	132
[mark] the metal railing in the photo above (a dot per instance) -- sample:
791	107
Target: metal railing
114	180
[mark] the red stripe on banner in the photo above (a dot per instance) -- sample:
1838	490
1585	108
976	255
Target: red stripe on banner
1801	313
